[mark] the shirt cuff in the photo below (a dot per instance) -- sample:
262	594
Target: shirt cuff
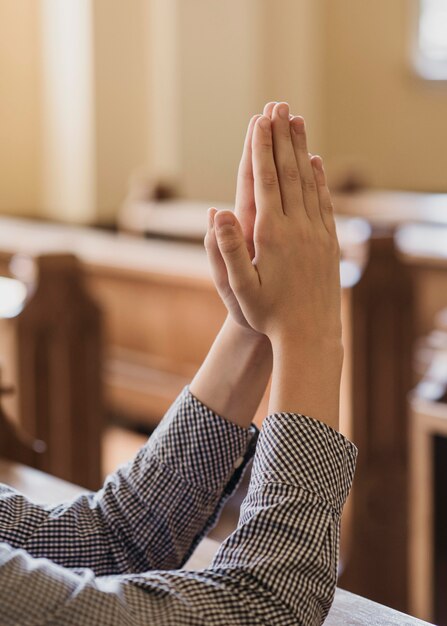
313	456
201	446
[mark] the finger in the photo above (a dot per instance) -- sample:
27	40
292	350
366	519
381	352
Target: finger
268	109
308	185
324	195
242	274
266	186
245	198
286	165
217	264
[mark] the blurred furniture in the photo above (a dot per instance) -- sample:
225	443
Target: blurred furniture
15	444
179	220
428	483
423	249
50	346
381	377
346	609
403	286
391	209
161	311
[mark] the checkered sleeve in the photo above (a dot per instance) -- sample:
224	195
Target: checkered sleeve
278	568
152	512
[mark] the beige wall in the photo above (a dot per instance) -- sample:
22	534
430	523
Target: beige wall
19	112
379	113
175	81
122	98
235	56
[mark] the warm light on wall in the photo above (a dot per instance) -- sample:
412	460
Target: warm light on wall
12	297
431	58
68	110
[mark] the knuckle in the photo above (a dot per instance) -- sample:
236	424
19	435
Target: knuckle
245	173
264	145
268	179
290	173
229	245
309	185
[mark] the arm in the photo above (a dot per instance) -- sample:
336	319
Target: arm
280	565
278	568
127	526
137	520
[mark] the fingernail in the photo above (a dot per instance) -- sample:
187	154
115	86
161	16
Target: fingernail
318	163
298	124
283	111
211	212
264	123
224	219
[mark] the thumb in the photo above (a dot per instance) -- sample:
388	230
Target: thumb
233	249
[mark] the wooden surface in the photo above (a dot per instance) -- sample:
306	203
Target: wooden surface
352	610
347	610
161	315
51	352
393	208
428	419
423	248
36	485
382	337
379	207
161	310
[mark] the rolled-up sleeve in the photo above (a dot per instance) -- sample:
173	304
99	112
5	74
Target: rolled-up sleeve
278	568
152	512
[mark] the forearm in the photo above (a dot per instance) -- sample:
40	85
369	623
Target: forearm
137	521
306	378
279	567
234	375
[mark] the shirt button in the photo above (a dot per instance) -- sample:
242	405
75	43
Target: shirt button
238	462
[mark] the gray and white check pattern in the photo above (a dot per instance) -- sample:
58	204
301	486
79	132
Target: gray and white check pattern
113	557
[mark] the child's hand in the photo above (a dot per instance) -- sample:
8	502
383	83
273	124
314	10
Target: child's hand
245	210
292	285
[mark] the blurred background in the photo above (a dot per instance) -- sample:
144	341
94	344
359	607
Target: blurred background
121	122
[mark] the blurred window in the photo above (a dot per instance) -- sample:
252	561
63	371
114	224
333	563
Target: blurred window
432	39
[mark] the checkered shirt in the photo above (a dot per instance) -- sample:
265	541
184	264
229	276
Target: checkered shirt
113	557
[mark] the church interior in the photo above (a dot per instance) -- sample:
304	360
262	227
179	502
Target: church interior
121	122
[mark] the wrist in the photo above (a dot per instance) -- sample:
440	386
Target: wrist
299	345
246	336
306	377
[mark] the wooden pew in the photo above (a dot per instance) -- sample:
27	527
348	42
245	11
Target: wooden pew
392	209
50	343
423	248
381	377
15	444
347	608
161	311
403	286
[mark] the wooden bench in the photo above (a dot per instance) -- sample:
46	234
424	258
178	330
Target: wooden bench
161	310
50	348
348	609
161	313
428	478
